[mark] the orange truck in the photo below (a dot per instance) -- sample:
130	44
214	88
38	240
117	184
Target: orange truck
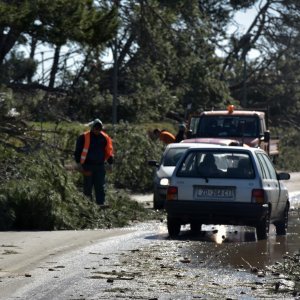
245	126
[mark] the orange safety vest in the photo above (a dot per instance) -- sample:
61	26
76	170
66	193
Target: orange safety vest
108	151
167	137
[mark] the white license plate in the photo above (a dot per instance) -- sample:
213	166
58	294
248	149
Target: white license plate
216	193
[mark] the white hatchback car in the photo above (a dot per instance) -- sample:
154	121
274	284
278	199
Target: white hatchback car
227	185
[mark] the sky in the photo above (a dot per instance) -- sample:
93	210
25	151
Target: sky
245	18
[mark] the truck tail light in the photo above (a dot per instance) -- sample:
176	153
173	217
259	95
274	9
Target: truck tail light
172	193
258	196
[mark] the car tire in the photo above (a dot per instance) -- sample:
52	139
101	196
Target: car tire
195	227
173	225
263	227
282	225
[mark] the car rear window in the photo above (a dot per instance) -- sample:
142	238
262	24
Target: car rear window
172	156
216	164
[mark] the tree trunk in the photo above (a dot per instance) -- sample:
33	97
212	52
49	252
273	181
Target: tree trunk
31	55
54	68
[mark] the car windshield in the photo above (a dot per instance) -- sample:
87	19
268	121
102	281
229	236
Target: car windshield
216	164
231	126
172	156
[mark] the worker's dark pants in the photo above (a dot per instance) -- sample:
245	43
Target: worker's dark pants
96	180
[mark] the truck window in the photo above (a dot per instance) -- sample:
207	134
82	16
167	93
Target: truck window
194	121
262	126
228	126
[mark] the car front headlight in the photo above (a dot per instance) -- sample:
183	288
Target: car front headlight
164	182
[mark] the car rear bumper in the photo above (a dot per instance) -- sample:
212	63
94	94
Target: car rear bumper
216	212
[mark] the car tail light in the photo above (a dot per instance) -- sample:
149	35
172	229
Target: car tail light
258	196
172	193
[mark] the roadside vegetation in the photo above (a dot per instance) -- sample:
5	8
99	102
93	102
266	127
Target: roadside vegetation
38	191
289	158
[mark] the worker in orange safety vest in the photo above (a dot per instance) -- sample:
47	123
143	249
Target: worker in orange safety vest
164	135
94	150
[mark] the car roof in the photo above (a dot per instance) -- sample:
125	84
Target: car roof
186	145
209	146
200	146
216	141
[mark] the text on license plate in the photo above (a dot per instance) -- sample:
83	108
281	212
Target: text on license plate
216	193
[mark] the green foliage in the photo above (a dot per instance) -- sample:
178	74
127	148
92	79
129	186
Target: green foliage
166	59
7	214
123	210
55	22
6	101
289	150
36	192
74	20
151	98
133	149
17	68
40	205
42	196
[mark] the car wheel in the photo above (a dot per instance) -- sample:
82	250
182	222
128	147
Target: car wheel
173	225
195	226
157	204
263	227
282	225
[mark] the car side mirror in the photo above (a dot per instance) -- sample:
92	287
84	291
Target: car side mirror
153	163
283	176
189	134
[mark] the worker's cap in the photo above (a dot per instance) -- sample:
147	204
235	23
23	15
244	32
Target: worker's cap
97	123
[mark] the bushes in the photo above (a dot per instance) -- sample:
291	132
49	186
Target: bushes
37	193
133	149
289	159
50	200
7	214
42	196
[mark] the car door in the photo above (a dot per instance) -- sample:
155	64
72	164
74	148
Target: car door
270	182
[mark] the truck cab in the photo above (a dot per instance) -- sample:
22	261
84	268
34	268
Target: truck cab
246	126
